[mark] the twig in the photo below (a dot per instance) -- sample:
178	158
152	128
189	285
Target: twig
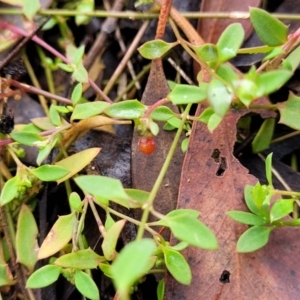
125	58
107	27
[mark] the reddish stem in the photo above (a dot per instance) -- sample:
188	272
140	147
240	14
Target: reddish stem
46	46
156	104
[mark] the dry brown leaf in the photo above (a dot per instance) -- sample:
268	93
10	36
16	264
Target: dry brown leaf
269	273
145	169
211	29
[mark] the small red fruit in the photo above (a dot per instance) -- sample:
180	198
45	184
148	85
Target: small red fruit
147	144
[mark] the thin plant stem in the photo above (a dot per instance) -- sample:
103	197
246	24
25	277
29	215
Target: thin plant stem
54	52
126	58
133	15
286	136
144	71
148	205
36	83
155	105
31	89
81	220
48	72
101	227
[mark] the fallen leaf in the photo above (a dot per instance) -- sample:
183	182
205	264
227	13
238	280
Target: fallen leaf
212	182
145	168
210	29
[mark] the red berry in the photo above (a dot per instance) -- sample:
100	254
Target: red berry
147	144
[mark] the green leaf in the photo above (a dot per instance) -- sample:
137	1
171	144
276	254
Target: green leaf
155	49
261	196
271	81
61	109
248	195
184	145
205	115
226	72
44	152
76	162
6	278
174	122
246	90
74	54
292	62
162	113
109	221
290	112
230	41
111	238
128	109
85	285
180	246
54	116
49	172
246	217
268	163
82	259
160	291
84	6
182	212
269	29
138	197
10	190
153	127
219	97
207	53
30	8
76	93
189	229
253	239
43	277
177	266
25	138
264	136
26	238
80	74
273	53
292	223
75	201
281	208
135	256
59	235
185	94
105	187
86	110
65	67
214	122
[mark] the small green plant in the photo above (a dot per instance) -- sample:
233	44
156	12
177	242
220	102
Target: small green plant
220	88
267	212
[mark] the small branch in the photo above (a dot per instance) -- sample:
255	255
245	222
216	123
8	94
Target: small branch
133	15
42	43
156	104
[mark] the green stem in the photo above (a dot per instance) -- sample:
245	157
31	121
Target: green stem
284	137
81	222
101	227
48	72
36	83
286	193
131	84
133	221
132	15
272	106
159	179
